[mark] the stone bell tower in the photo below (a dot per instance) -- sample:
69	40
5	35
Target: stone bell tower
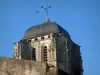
49	42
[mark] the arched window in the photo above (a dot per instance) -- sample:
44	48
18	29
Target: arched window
45	53
34	54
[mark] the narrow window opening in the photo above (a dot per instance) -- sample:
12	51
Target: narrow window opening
42	38
34	54
45	53
49	36
36	39
29	40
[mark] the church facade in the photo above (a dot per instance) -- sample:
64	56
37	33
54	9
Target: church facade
51	44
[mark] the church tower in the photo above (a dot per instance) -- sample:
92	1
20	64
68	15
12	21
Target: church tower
50	43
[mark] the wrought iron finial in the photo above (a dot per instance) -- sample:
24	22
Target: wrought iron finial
47	18
46	10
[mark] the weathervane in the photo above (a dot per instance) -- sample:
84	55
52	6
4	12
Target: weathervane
46	9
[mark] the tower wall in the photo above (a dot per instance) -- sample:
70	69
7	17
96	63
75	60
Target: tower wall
68	55
24	49
62	53
47	41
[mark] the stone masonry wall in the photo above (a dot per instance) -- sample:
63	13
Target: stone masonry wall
10	66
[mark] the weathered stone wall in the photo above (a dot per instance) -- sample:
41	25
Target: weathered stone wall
62	53
23	49
10	66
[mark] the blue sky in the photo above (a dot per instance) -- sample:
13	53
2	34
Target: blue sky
81	18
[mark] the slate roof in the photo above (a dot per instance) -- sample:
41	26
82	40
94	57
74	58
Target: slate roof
44	29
